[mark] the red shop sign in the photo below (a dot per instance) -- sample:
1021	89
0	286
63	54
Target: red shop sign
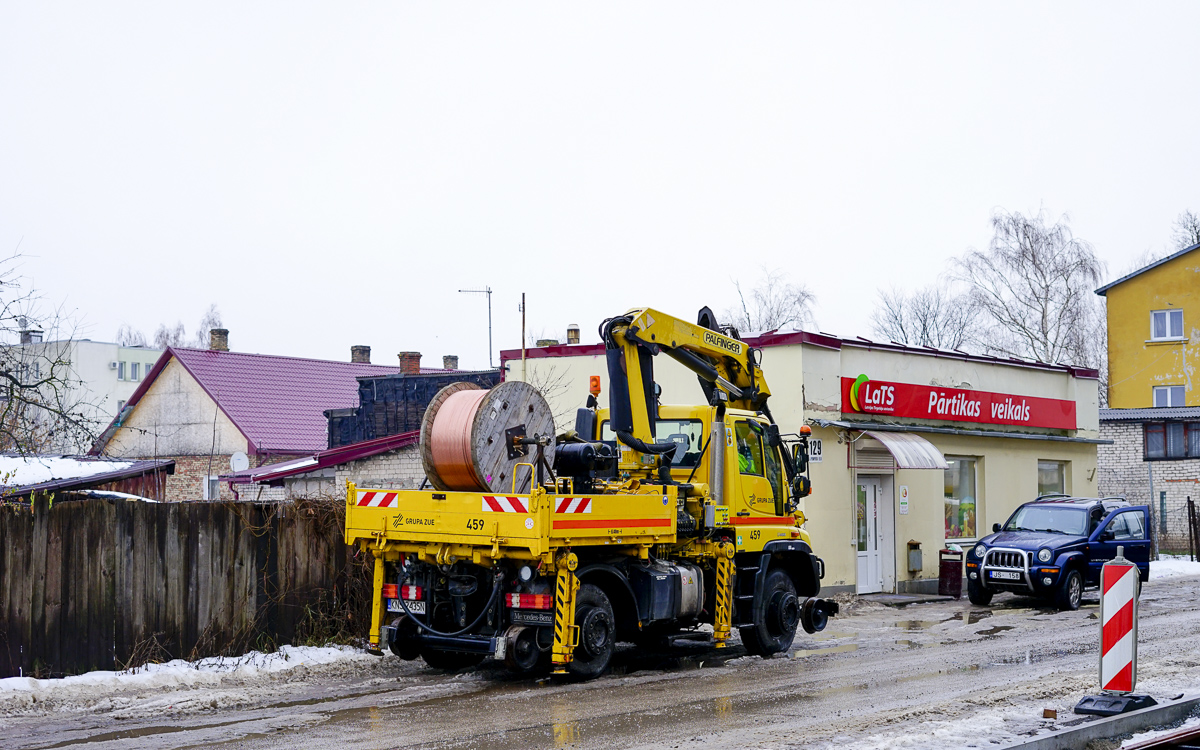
865	396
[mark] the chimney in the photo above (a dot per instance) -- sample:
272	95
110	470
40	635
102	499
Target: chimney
450	362
218	339
573	333
360	355
410	363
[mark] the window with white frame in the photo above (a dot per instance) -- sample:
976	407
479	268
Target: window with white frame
212	488
1168	395
120	371
1052	478
1166	324
135	370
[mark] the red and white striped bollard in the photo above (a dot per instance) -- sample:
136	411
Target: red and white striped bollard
1119	581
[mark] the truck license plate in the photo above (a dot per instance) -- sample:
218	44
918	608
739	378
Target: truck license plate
1005	574
416	607
532	617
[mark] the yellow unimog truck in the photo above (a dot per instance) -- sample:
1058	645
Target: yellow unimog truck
646	523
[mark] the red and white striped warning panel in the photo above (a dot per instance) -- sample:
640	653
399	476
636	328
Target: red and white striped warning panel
1118	636
377	499
574	505
496	504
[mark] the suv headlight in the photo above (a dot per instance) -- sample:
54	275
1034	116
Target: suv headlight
980	551
1044	555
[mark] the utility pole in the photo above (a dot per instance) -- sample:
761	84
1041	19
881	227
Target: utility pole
488	291
523	378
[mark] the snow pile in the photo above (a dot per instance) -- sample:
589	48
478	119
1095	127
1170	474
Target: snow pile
1169	567
19	471
180	673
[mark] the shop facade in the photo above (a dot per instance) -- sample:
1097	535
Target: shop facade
912	448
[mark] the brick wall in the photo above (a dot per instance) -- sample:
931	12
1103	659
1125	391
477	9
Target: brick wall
1122	471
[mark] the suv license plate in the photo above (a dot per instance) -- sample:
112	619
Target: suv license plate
1005	574
416	607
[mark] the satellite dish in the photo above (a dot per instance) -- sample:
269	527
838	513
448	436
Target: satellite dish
239	461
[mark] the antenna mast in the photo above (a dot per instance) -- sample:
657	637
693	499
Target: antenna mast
488	291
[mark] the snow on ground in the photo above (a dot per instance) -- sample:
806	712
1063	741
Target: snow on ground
1175	565
179	673
1189	724
19	471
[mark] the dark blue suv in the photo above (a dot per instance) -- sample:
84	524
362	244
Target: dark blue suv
1054	546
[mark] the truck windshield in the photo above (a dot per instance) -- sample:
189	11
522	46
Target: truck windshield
688	434
1054	519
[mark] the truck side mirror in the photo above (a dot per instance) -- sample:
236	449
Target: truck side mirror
996	527
1107	535
801	487
773	438
800	456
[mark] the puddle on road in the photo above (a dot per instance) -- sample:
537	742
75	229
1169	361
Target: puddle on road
920	624
805	652
992	631
970	618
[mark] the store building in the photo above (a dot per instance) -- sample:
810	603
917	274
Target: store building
912	448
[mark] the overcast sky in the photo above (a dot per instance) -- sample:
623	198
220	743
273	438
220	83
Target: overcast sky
331	174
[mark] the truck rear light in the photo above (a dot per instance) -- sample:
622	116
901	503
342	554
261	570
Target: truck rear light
392	591
529	601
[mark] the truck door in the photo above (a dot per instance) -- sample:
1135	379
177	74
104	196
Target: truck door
754	485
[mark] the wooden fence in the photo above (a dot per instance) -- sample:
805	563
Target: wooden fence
99	583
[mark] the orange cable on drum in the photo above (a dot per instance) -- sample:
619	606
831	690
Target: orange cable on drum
450	440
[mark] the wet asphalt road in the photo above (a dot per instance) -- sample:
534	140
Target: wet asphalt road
878	677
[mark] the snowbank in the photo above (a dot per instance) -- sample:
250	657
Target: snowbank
180	673
1190	723
1170	567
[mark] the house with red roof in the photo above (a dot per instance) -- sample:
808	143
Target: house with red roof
214	411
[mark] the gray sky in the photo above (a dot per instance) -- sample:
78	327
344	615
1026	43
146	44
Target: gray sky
330	174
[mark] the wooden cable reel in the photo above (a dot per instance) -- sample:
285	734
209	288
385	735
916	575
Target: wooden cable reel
463	437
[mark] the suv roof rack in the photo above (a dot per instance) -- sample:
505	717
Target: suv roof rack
1049	495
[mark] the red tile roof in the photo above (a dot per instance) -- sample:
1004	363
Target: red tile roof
324	459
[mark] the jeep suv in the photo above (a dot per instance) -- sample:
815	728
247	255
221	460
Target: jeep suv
1055	546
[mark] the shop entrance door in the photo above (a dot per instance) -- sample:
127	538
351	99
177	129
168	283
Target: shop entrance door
866	507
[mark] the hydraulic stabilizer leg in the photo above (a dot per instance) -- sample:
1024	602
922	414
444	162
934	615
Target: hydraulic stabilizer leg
566	634
723	622
377	604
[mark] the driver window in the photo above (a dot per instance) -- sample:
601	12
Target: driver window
1136	529
1119	527
749	448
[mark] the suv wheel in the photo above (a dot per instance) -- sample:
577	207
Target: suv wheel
1070	592
978	594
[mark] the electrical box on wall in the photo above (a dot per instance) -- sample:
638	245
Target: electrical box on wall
915	560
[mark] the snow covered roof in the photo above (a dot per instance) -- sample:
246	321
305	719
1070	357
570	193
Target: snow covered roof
22	475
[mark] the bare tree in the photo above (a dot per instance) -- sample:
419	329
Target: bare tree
169	336
772	303
210	320
1187	230
1033	287
934	316
41	402
127	335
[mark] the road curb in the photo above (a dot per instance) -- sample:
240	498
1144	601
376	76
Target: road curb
1114	726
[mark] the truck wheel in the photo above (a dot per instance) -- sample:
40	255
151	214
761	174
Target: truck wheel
597	633
404	639
776	615
1070	592
449	660
978	594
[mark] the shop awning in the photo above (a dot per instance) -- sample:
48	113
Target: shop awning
910	451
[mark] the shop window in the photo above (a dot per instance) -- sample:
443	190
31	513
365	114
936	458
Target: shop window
1168	395
1172	440
1166	324
1052	478
750	449
960	498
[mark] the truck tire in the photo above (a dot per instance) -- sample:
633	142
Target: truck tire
597	633
1070	591
449	660
978	594
776	615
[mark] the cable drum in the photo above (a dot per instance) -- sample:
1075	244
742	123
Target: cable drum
463	436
